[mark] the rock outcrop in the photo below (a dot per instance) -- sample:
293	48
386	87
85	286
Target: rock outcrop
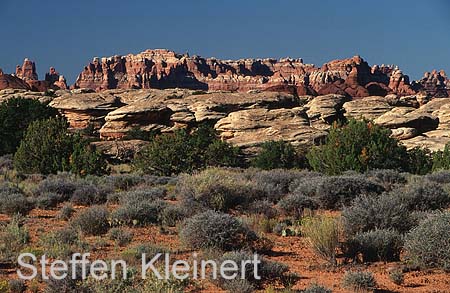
162	69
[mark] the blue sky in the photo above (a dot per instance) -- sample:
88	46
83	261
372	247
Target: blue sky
415	35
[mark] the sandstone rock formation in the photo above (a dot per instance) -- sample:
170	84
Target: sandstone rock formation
162	69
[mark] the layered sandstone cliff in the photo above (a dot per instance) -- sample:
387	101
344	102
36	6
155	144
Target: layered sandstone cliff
162	69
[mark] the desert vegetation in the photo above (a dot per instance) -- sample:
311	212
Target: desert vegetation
359	212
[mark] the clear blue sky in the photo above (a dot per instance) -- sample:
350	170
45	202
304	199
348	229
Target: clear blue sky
66	34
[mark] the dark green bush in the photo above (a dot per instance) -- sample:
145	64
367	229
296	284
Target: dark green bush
92	221
16	114
277	155
441	159
368	213
336	191
181	151
48	147
358	146
427	245
216	230
420	161
377	245
359	281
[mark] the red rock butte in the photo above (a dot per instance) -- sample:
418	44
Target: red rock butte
162	69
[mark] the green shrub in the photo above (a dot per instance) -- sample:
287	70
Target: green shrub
263	207
172	215
16	114
62	184
92	221
441	159
216	230
181	151
55	149
428	244
420	161
368	213
89	194
358	146
377	245
277	154
359	281
323	233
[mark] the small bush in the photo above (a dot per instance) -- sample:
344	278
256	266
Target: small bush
123	182
324	234
397	276
66	212
424	196
389	179
89	194
368	213
276	182
218	189
263	207
294	204
216	230
139	212
377	245
17	286
61	243
337	191
14	203
441	177
441	159
172	215
13	238
420	161
47	201
92	221
120	237
150	194
277	155
134	254
359	281
63	184
428	244
269	272
316	288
